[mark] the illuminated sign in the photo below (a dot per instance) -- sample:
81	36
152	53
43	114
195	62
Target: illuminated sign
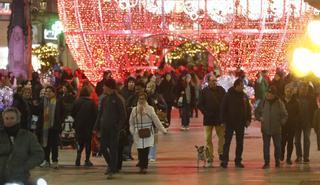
5	9
52	34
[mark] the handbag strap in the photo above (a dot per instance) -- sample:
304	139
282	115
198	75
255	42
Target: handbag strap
141	119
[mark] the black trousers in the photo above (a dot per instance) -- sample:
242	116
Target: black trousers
143	157
52	147
169	109
84	144
306	142
239	142
109	149
287	140
120	156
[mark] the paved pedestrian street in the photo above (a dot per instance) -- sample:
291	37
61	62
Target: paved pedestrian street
176	164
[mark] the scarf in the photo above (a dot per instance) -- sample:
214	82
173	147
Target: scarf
12	132
48	121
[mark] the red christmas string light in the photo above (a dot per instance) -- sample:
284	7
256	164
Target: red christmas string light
102	34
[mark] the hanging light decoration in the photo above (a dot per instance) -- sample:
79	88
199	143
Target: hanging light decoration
99	33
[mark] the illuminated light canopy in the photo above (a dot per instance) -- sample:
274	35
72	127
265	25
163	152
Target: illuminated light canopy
100	33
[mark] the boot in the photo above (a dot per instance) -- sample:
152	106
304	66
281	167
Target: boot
78	160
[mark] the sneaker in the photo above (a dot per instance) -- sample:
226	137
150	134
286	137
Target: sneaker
266	166
183	128
45	164
88	163
239	165
224	165
152	160
55	165
306	160
289	162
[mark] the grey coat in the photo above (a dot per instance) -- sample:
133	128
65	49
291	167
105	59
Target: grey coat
272	116
16	160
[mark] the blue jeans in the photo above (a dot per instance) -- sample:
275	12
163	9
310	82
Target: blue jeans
153	152
185	114
266	147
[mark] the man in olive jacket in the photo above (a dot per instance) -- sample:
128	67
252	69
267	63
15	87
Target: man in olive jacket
19	150
273	115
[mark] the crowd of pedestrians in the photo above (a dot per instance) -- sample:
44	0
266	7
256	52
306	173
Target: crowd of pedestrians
133	112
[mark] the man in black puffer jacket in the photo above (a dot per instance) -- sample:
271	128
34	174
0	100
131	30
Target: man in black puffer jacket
236	115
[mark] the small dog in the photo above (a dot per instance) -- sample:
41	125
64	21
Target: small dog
202	154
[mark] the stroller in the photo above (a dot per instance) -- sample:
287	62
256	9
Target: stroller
68	134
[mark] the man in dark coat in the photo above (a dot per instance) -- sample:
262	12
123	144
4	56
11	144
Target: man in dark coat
110	120
210	105
236	115
99	87
168	89
84	112
19	152
307	106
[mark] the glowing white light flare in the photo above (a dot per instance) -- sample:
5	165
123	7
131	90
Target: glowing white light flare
313	31
41	181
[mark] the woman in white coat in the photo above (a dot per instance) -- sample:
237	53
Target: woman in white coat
143	117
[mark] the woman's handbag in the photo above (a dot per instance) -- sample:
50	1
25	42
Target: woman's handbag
143	132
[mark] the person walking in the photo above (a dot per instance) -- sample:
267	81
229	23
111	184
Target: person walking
187	100
210	105
141	121
273	115
307	106
290	127
167	89
50	125
84	112
110	120
236	115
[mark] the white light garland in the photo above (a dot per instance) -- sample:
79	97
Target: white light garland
220	11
